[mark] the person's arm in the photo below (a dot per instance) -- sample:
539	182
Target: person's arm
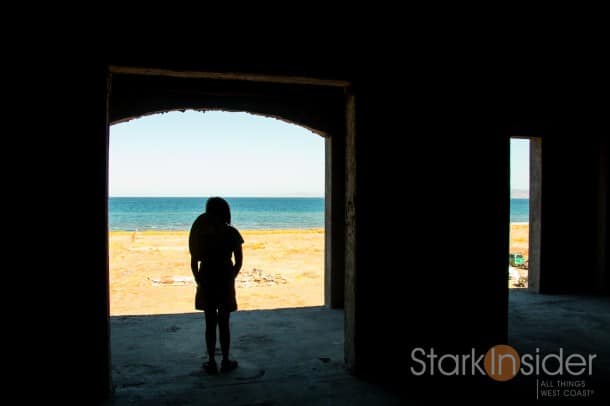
195	269
239	258
194	248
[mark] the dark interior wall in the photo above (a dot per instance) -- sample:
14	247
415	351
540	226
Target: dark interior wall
67	246
431	256
575	208
89	328
601	267
432	223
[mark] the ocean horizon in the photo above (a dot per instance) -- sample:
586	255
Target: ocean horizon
248	213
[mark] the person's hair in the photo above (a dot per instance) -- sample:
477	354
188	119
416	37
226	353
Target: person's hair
219	208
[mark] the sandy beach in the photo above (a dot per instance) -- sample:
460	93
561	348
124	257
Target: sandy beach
150	270
519	244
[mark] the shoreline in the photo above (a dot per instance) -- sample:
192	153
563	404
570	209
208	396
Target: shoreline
246	230
256	230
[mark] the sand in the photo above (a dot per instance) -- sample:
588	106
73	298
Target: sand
150	271
519	244
519	238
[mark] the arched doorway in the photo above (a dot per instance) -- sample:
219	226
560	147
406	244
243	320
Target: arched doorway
327	107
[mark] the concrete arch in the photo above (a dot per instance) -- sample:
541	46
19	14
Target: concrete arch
321	110
203	110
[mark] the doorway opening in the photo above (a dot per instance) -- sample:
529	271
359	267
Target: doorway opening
163	167
323	106
525	213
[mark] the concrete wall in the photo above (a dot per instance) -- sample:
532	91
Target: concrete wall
432	230
603	231
574	240
314	107
67	241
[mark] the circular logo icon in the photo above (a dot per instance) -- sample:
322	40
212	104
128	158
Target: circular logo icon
502	362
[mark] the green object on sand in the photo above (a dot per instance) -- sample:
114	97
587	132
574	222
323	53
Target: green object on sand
516	260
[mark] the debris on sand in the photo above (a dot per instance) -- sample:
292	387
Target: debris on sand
173	280
245	279
256	277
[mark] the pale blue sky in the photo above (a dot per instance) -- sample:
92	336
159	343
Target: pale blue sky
214	153
520	163
229	154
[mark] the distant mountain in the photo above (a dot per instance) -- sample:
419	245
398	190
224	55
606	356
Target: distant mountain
519	194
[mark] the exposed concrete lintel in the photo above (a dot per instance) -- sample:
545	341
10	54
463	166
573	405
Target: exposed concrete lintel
252	77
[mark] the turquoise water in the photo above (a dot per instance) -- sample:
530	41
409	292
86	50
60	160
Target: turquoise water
519	210
178	213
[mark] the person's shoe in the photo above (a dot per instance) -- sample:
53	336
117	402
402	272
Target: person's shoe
228	365
210	367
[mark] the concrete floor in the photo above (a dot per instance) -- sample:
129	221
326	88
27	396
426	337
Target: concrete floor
287	356
295	356
578	324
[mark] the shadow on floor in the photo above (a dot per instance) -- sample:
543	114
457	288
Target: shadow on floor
295	356
286	356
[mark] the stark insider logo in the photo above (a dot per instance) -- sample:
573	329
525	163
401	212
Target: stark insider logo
501	363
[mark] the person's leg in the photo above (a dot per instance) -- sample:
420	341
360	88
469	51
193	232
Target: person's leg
224	333
225	340
211	321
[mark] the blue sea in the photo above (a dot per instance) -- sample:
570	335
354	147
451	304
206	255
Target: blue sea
519	210
248	213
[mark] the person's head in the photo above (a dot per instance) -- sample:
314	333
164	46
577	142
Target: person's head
218	208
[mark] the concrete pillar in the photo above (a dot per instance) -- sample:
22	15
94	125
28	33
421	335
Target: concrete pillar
602	271
86	274
102	362
350	235
334	279
573	237
535	218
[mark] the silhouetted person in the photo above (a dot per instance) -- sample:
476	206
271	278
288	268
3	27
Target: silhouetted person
212	244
